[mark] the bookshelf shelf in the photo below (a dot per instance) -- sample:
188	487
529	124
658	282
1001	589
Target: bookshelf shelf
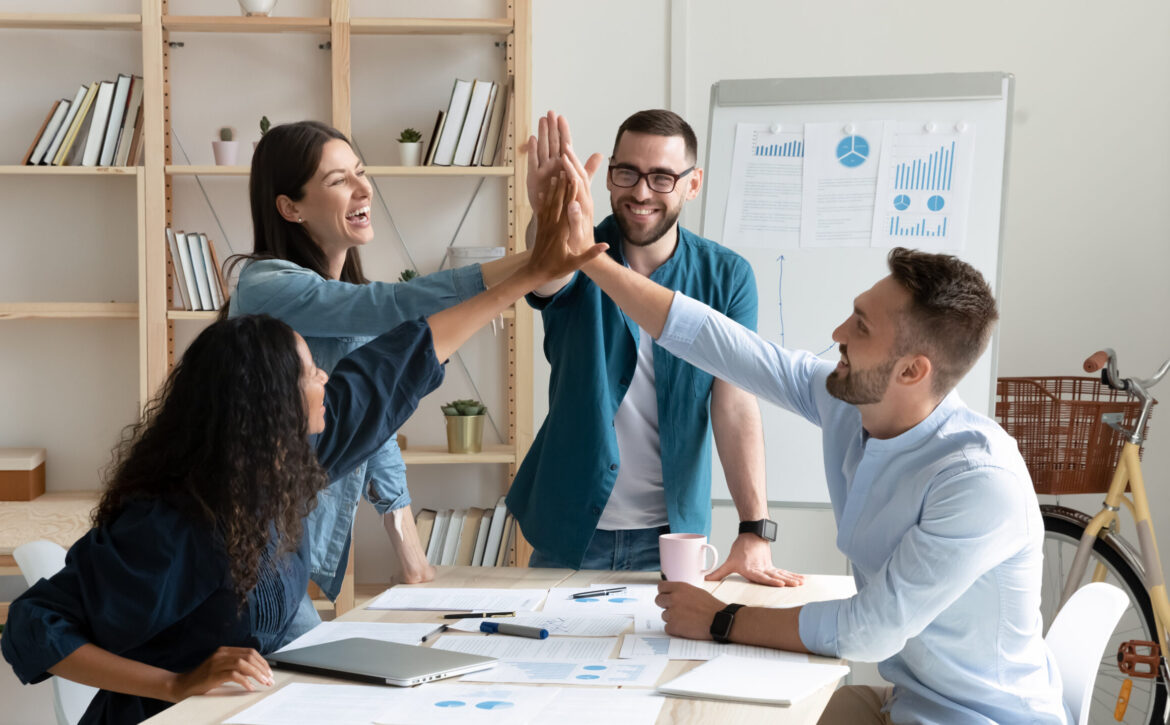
68	310
503	171
431	26
127	171
203	315
241	24
71	21
437	455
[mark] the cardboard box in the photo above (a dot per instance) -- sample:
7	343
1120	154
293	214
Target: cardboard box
22	473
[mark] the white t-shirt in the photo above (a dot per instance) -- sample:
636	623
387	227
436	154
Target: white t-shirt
637	500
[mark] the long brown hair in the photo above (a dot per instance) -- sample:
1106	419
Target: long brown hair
226	442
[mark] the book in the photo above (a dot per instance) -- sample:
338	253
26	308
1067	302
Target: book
424	521
75	104
212	275
481	538
481	139
481	91
468	536
202	289
750	679
45	134
177	274
135	156
429	156
129	120
188	271
97	127
506	540
219	273
80	123
114	123
493	152
435	545
453	123
451	539
492	547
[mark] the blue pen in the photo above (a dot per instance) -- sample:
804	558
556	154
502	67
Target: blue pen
518	630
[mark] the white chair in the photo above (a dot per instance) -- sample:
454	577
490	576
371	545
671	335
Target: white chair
40	560
1077	639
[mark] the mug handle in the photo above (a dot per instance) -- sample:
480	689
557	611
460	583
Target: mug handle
714	559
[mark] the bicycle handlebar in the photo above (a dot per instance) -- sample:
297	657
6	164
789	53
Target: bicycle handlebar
1096	361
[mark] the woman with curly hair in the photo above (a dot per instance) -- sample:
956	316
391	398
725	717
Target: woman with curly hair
197	560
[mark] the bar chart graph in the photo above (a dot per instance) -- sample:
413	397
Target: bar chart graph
791	149
923	228
931	173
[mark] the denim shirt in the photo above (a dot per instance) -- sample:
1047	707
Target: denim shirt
564	482
335	318
942	528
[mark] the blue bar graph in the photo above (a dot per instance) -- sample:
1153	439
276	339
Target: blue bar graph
933	173
792	149
921	229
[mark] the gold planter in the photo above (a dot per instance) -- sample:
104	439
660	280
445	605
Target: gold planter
464	433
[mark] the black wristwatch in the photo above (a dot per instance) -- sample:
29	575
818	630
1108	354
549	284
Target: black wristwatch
764	528
721	625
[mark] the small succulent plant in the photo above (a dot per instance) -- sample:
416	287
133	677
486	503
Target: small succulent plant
407	275
227	133
410	135
265	124
464	407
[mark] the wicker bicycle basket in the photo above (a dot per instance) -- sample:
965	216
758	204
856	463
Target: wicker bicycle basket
1057	424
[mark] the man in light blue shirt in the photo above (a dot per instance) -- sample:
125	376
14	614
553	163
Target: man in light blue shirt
934	506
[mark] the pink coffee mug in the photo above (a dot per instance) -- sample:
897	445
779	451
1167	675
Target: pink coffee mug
683	557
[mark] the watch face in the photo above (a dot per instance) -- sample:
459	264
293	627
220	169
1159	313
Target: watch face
721	626
769	532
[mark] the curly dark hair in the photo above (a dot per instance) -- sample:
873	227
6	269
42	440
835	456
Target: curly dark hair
226	441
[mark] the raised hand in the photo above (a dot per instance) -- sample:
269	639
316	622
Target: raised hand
544	151
242	665
564	236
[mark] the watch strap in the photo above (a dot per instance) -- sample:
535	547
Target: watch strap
763	528
721	624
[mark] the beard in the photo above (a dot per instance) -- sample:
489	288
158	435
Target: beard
861	387
636	236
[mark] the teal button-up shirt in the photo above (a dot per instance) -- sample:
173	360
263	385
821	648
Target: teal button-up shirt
566	478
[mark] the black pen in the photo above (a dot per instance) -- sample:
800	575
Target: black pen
439	630
478	615
597	593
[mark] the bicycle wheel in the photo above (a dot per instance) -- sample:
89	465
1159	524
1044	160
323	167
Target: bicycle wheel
1147	699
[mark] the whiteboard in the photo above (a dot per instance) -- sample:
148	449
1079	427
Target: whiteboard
816	286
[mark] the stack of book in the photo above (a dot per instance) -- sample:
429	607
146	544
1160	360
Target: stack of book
471	131
195	270
101	125
466	537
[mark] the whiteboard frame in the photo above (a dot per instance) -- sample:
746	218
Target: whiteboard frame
994	85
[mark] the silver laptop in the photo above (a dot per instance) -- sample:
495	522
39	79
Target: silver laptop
373	660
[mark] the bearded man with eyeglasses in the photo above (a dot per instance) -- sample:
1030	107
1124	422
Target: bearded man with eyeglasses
624	454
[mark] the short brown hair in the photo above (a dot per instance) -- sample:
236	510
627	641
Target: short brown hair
950	315
660	122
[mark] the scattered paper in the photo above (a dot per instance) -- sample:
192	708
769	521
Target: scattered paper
610	673
435	703
763	200
459	600
677	648
581	706
385	631
320	705
610	626
576	649
840	182
750	680
649	624
635	601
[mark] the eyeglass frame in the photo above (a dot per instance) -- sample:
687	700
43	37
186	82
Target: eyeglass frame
615	165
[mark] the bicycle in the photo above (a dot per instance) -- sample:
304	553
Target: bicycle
1069	430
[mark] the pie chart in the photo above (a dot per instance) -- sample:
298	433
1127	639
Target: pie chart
901	202
935	203
853	151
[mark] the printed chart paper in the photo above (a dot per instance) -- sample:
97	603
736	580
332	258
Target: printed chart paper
386	631
839	183
642	672
321	705
924	186
677	648
636	600
582	706
763	201
576	649
494	704
610	626
459	600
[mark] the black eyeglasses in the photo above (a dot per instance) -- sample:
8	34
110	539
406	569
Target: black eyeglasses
628	177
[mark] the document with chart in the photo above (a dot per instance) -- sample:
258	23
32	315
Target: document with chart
763	203
924	186
840	180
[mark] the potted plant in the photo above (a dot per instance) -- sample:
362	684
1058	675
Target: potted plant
407	275
265	124
226	147
409	147
464	426
256	7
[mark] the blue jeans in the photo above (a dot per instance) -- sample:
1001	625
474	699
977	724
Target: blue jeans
306	618
622	550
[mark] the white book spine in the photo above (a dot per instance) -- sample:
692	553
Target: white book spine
453	124
49	133
188	271
492	548
180	280
212	277
438	533
64	128
451	540
481	539
481	91
113	127
97	128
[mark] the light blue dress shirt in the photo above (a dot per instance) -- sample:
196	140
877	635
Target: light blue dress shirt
941	525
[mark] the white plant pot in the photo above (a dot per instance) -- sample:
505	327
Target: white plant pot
257	7
409	153
225	152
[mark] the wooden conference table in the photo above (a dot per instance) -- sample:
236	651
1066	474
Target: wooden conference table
225	702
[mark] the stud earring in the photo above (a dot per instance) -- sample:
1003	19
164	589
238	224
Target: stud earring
300	220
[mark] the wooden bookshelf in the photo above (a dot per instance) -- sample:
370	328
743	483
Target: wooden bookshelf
68	310
200	315
71	21
107	171
417	171
438	455
241	24
431	26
